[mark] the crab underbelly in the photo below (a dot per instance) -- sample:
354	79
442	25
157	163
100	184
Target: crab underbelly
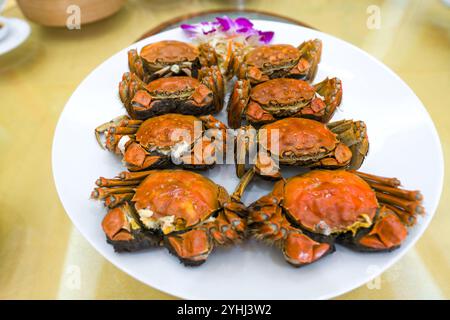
176	149
282	68
303	159
281	111
155	66
175	105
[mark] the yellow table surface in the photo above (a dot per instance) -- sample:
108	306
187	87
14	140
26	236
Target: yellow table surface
42	256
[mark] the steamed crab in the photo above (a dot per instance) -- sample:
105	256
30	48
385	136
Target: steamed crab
170	58
164	140
306	214
303	142
278	61
280	98
183	94
182	210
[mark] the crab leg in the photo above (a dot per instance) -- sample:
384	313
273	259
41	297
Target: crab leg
231	63
244	143
126	175
120	139
238	102
135	63
389	193
102	193
406	194
208	56
229	225
213	79
164	72
119	190
115	129
243	183
211	146
104	128
129	88
123	130
104	182
114	200
392	182
410	206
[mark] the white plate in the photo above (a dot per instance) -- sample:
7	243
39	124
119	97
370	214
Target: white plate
403	143
17	31
4	27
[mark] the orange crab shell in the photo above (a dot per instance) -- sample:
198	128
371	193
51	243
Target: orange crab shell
282	91
164	131
186	195
278	55
298	136
169	51
330	201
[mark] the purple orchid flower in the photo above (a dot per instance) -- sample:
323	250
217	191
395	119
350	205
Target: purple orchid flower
228	28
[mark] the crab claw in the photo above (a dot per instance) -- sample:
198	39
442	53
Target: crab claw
255	75
124	232
266	167
268	223
192	247
352	134
141	100
330	92
299	250
257	115
136	158
310	53
387	233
